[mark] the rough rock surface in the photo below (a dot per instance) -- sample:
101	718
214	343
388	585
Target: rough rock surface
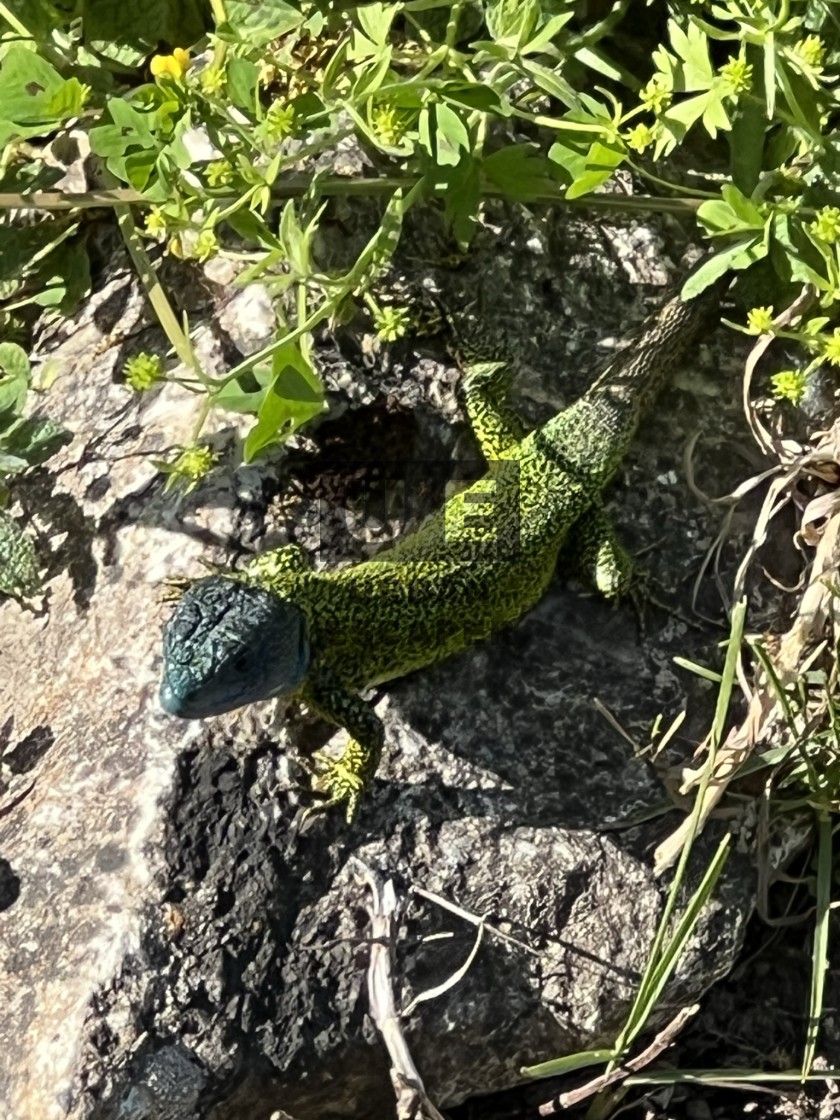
171	947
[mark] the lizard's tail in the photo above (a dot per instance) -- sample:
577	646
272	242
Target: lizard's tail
592	435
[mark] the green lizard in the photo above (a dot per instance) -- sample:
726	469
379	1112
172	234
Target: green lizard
279	628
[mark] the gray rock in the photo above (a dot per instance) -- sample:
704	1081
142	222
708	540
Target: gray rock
171	946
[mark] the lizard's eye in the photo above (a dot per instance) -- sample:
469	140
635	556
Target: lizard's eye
242	664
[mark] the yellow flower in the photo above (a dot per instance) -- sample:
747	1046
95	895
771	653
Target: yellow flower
388	124
219	173
190	467
656	95
212	79
830	347
811	51
639	138
277	124
143	370
737	75
826	225
391	322
156	222
206	245
170	65
760	320
788	385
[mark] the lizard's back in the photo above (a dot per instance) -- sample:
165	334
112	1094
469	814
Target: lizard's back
476	565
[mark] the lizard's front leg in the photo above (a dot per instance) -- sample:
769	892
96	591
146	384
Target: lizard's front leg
345	779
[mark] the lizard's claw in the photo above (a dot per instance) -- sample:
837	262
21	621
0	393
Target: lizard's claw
342	780
172	588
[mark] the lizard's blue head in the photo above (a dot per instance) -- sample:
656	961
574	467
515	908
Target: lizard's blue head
228	644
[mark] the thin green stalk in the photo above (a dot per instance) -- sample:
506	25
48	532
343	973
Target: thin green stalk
651	981
730	1076
9	16
819	955
167	318
294	186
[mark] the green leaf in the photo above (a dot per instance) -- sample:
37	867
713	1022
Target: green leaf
462	198
551	28
801	100
27	83
130	132
451	127
717	216
251	228
11	464
511	23
136	168
742	207
34	98
256	22
39	17
336	71
746	145
519	172
715	117
18	562
794	254
294	396
14	361
14	381
376	19
433	140
378	251
679	118
469	95
64	278
600	162
296	239
584	167
736	257
34	439
601	63
67	101
692	47
770	75
127	33
569	158
362	48
247	392
372	76
552	83
732	213
242	75
569	1063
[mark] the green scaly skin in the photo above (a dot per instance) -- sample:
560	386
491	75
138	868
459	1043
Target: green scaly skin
477	565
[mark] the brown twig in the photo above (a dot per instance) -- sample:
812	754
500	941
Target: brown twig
412	1100
660	1044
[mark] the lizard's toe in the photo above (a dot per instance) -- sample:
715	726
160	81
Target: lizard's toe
341	781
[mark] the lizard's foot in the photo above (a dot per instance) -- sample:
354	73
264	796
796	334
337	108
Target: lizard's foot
342	780
172	588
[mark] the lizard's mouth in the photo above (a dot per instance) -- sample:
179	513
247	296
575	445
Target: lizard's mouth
175	703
